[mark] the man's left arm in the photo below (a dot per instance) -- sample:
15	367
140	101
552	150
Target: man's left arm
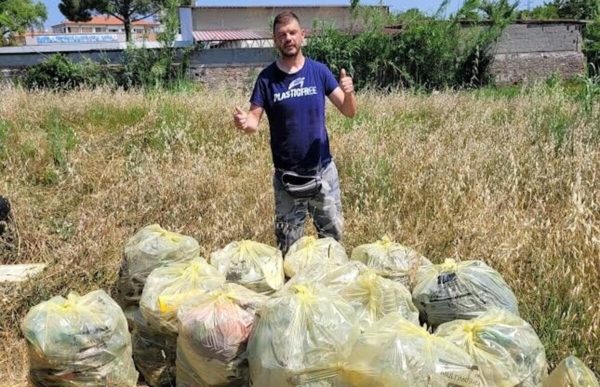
343	96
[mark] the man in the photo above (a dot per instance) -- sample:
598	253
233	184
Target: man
292	92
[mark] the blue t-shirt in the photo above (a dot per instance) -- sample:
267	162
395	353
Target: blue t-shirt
295	107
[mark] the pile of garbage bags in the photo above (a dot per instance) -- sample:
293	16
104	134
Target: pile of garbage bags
386	317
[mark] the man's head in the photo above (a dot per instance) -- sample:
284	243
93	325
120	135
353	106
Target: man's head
288	35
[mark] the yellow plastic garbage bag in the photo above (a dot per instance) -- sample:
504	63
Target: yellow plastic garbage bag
391	260
256	266
170	286
460	291
394	352
155	331
374	297
333	275
79	341
309	250
213	334
303	326
370	294
149	248
571	372
503	345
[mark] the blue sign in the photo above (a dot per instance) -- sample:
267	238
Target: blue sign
68	39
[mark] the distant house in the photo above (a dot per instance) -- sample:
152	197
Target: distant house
250	26
104	24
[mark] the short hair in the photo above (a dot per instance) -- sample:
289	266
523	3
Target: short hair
284	18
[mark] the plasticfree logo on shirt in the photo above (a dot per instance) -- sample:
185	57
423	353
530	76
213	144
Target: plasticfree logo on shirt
295	89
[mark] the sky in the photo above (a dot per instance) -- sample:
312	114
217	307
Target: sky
428	6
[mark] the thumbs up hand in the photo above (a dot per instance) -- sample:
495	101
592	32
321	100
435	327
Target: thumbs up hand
240	118
346	83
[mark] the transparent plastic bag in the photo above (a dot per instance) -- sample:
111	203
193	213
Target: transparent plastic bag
371	295
213	334
460	291
310	250
504	346
374	297
256	266
170	286
302	327
332	275
391	260
395	352
149	248
79	341
571	372
155	332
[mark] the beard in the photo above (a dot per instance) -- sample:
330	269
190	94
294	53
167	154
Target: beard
289	54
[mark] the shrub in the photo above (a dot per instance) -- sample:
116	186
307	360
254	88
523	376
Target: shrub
61	73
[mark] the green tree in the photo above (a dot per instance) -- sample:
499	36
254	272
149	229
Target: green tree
542	12
128	11
576	9
76	10
17	15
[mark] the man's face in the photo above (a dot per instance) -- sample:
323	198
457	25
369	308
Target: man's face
289	38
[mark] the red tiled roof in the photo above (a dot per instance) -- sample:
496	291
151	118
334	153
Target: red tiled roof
109	20
229	35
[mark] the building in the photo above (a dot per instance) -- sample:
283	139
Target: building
100	29
238	27
104	24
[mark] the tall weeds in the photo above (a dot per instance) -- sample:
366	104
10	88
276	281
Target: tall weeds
510	180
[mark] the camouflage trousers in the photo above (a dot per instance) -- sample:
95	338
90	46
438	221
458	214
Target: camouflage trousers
325	209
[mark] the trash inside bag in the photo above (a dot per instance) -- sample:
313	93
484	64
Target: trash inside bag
303	326
154	352
149	248
170	286
213	334
503	345
309	250
571	372
374	297
460	291
370	294
79	341
155	329
395	352
332	275
256	266
391	260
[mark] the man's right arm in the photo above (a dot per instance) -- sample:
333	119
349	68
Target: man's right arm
248	122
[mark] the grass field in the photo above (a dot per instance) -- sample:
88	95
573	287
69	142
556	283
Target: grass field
510	178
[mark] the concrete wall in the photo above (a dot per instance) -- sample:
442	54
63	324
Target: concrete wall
534	51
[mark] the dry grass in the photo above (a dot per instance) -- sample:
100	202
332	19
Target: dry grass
513	181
